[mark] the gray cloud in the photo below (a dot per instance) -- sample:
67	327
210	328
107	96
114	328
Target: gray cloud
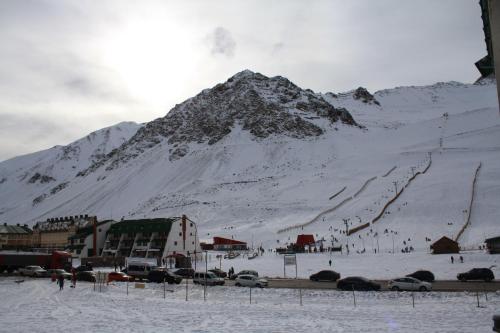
222	42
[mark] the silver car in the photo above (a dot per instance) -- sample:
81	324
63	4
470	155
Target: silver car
409	283
34	271
247	280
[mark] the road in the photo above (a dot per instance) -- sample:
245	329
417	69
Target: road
441	285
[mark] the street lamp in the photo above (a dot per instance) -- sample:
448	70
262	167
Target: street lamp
206	272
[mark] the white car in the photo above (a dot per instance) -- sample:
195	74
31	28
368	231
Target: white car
209	278
247	280
34	271
409	283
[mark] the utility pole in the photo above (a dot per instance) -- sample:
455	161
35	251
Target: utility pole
395	186
346	233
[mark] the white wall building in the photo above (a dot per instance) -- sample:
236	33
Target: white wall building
159	238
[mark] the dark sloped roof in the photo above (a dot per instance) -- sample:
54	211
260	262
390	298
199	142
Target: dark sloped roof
84	232
493	239
143	226
443	240
13	229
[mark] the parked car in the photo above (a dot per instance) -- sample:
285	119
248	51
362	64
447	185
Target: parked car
477	274
184	272
84	268
88	276
59	272
357	283
245	272
119	276
209	278
158	275
409	283
325	276
34	271
140	270
246	280
220	273
422	276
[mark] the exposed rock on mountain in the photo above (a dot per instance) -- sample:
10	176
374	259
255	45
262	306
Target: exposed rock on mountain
260	105
364	95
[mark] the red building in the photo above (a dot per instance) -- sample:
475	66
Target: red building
304	240
225	244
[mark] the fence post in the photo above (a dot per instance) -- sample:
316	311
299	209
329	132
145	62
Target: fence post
300	293
486	295
127	287
186	289
163	288
250	295
477	296
413	298
353	295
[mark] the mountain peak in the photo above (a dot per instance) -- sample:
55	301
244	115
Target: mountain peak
255	103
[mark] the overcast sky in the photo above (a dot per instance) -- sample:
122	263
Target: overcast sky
68	68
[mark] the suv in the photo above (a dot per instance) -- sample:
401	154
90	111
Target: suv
184	272
477	274
210	278
140	270
246	280
158	275
34	271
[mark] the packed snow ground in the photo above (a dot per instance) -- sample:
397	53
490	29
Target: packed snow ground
374	266
37	305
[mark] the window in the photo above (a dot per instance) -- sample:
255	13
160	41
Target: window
180	233
175	243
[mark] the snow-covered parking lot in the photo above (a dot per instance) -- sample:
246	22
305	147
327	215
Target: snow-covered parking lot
36	305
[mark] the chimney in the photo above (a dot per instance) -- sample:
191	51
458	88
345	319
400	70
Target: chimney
48	220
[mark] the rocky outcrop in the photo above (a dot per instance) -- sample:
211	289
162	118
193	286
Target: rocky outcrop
364	96
260	105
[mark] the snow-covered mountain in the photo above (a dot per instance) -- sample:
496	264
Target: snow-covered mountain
260	158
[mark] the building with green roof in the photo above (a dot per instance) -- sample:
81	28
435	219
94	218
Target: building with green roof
155	238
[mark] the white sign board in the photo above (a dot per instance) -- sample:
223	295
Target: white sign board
290	260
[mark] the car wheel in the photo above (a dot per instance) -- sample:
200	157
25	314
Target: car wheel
237	284
422	288
395	288
488	279
22	274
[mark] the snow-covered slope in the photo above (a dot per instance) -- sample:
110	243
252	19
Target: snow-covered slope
260	158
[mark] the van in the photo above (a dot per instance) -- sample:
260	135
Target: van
139	270
210	278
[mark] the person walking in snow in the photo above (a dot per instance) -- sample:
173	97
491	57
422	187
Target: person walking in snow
461	259
60	280
330	262
452	259
73	277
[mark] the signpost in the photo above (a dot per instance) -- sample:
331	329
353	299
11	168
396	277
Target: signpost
289	260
